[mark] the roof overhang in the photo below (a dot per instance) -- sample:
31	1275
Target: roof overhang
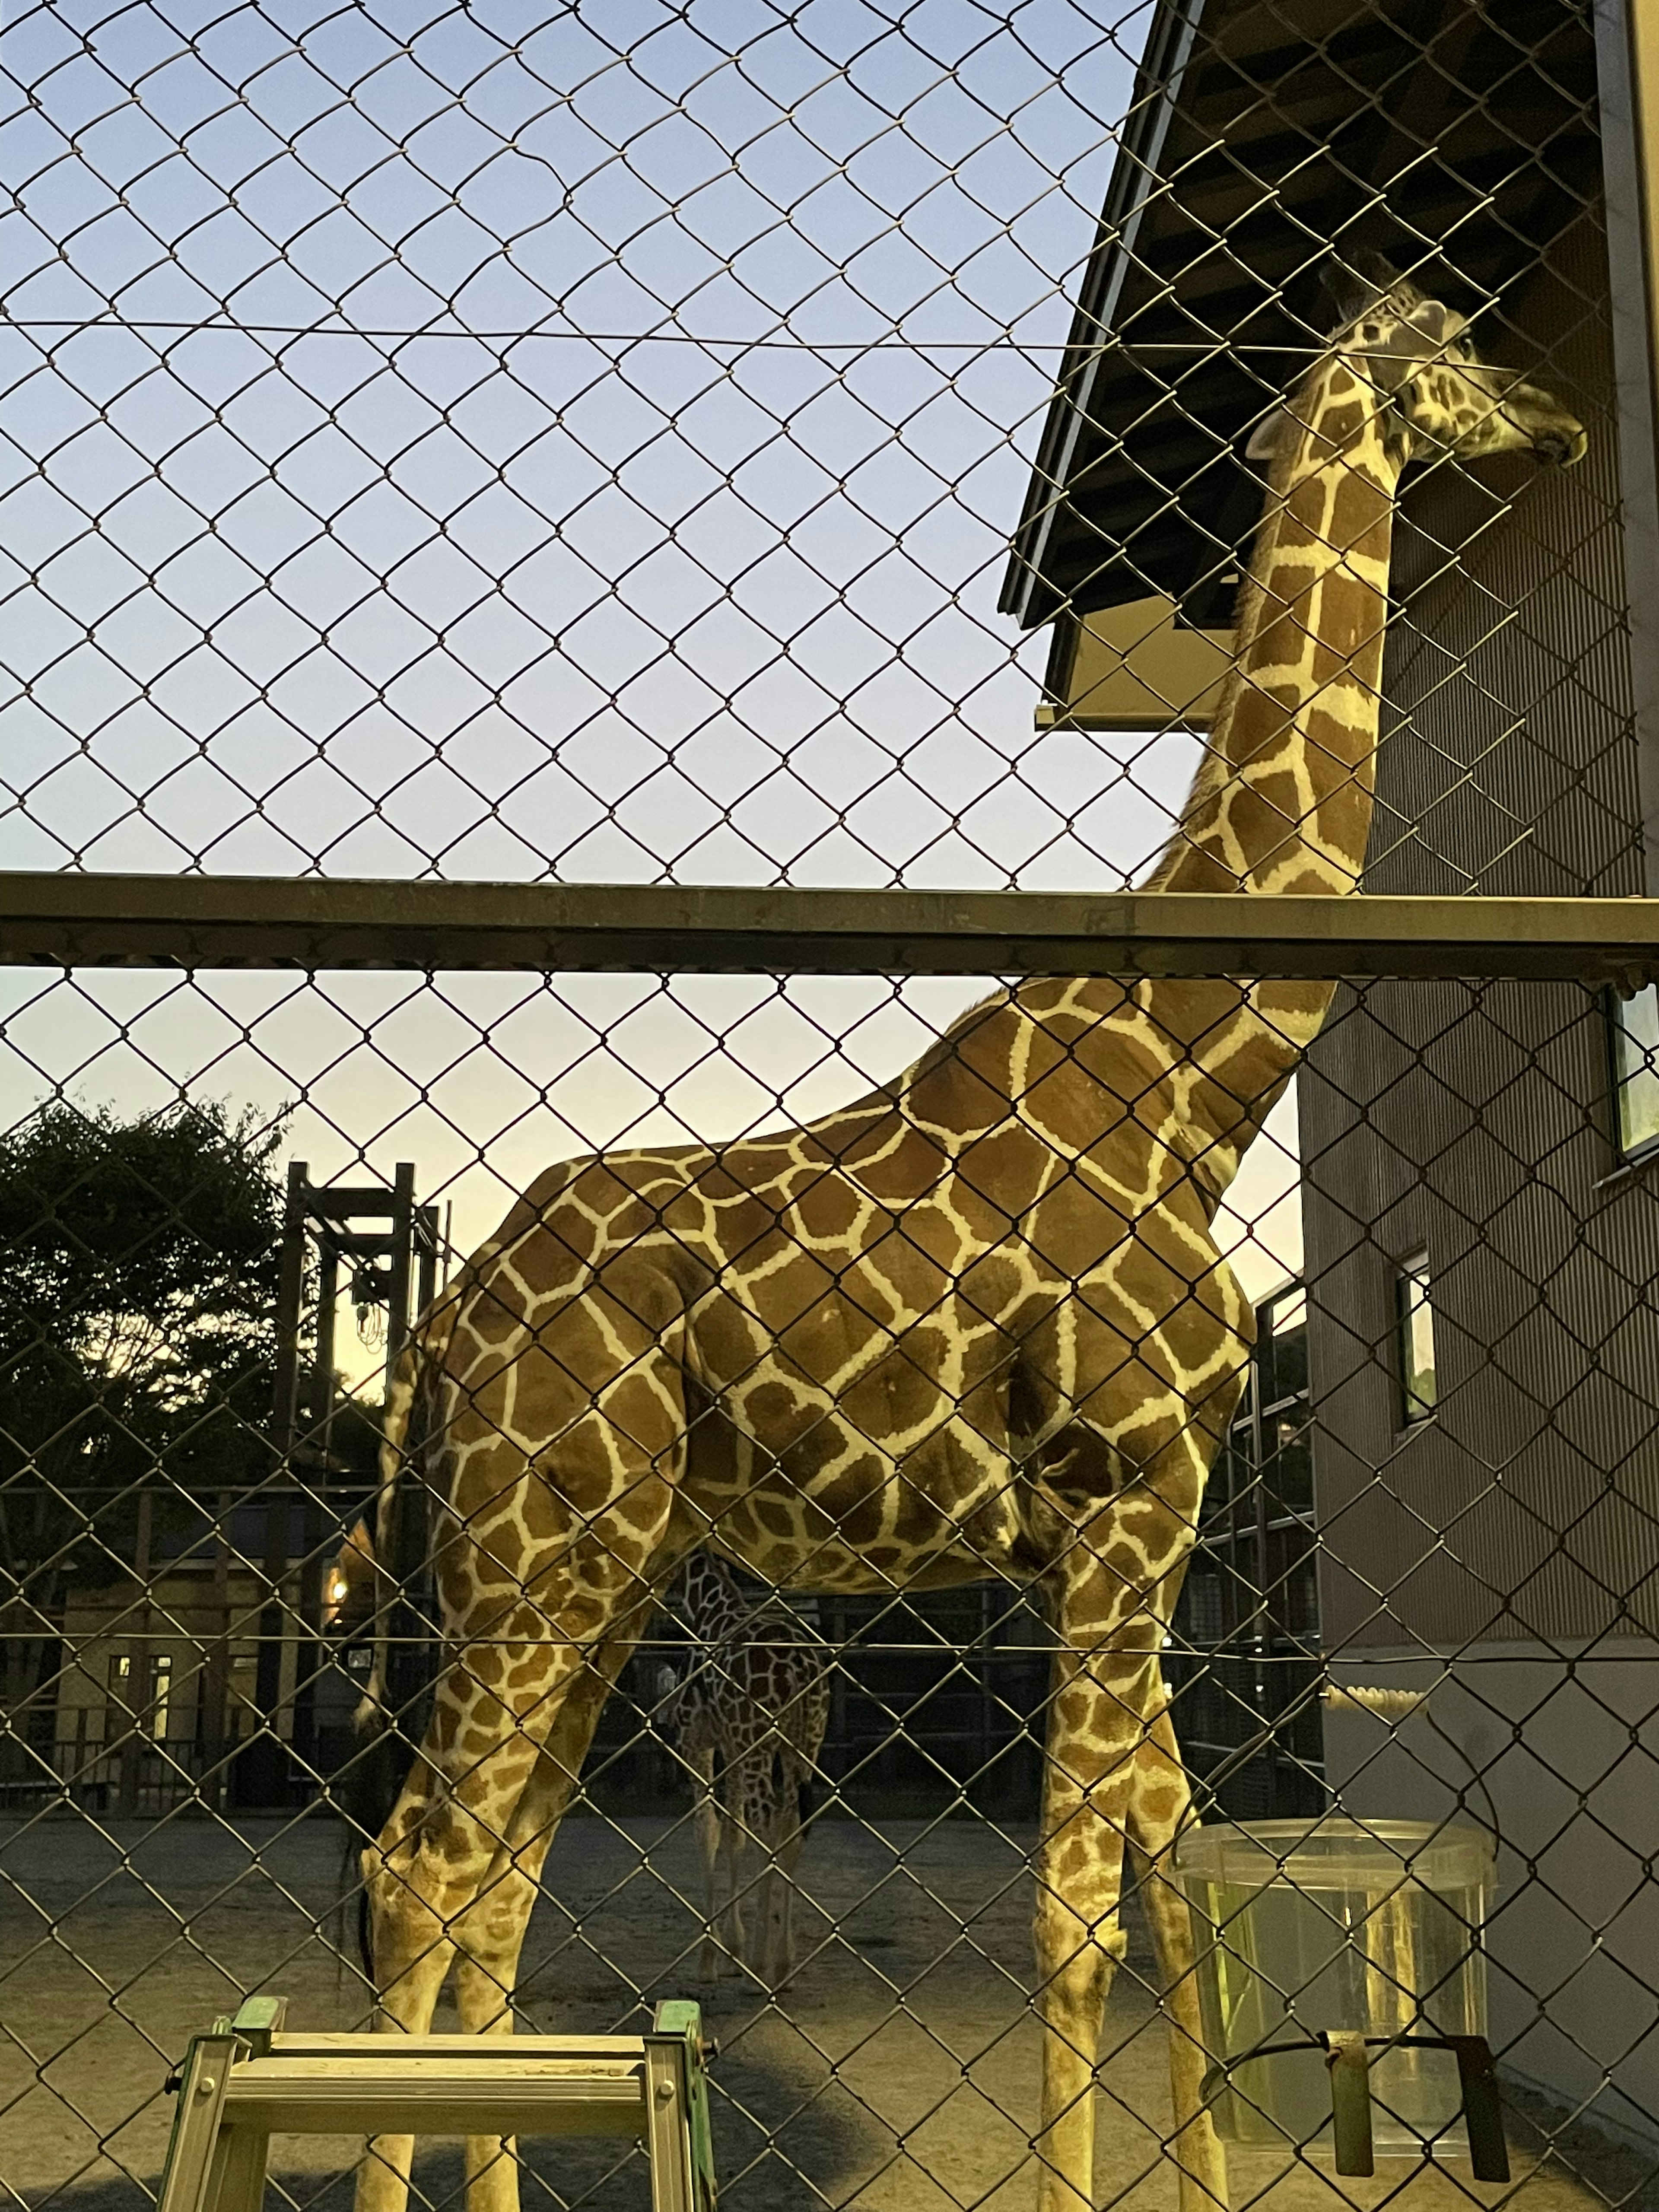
1267	136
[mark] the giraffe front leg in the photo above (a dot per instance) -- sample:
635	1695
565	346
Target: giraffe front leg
708	1823
732	1937
1094	1730
490	1934
1113	1589
1159	1807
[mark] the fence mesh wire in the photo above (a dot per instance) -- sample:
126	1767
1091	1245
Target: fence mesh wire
724	444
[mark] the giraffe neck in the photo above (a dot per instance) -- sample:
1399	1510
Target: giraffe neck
714	1603
1283	800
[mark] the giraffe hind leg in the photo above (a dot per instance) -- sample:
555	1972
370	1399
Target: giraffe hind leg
1113	1780
424	1882
783	1846
808	1722
789	1849
732	1935
490	1935
707	1820
1093	1728
768	1826
1158	1809
491	1720
805	1725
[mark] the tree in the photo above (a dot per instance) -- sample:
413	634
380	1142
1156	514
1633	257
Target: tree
138	1267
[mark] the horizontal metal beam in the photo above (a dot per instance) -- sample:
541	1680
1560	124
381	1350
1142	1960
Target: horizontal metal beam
263	921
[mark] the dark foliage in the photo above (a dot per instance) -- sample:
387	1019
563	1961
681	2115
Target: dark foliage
139	1264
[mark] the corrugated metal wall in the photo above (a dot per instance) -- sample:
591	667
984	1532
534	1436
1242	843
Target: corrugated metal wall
1473	1120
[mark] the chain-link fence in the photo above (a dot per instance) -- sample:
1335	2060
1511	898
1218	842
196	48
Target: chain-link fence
574	582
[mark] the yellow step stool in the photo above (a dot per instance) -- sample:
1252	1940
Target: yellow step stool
245	2081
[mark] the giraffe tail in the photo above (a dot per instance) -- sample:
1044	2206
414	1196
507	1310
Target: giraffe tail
808	1797
364	1792
391	1716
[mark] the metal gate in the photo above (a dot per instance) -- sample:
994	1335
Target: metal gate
579	589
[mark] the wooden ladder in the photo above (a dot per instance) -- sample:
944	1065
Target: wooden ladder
244	2081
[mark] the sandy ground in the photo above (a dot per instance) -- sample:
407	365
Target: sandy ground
898	2074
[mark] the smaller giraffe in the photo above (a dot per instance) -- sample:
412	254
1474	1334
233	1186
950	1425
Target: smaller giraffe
748	1718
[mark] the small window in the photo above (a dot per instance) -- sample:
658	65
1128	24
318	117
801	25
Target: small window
1415	1320
155	1718
161	1694
1633	1034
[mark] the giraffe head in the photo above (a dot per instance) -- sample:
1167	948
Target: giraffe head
1424	385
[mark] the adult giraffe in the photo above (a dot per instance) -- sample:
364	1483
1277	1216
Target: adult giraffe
973	1326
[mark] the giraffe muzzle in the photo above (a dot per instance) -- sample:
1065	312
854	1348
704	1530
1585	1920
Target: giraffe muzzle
1562	447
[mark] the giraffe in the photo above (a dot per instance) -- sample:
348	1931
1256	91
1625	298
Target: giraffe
973	1326
748	1720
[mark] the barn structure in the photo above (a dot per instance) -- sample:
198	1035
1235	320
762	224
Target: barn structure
1481	1219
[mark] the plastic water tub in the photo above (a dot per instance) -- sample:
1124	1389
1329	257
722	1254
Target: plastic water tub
1302	1926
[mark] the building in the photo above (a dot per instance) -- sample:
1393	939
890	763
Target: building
1244	1663
1480	1210
154	1689
155	1685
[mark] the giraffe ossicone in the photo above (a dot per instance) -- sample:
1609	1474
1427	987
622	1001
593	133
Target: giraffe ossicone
973	1326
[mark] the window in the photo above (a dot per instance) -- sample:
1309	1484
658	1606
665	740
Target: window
244	1700
1633	1036
161	1694
154	1718
1414	1320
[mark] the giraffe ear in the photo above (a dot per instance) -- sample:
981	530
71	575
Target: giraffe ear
1275	434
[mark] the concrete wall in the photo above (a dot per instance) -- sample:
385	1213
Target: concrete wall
1508	1549
1561	1749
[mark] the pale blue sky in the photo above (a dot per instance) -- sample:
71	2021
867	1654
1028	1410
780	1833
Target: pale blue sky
663	543
503	607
